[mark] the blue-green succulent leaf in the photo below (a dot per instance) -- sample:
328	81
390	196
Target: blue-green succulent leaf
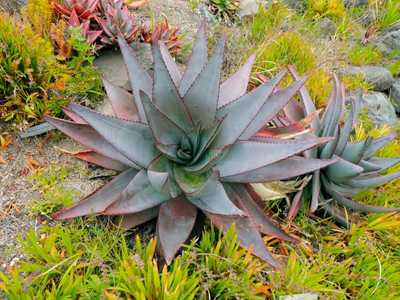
342	170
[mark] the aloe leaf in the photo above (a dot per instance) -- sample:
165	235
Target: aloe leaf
202	97
245	156
315	190
132	220
205	139
333	112
73	116
100	160
132	139
348	127
377	144
295	205
212	198
246	200
283	169
379	163
190	182
294	111
197	61
356	206
139	195
206	161
174	225
354	152
238	114
308	103
336	214
165	94
236	85
122	102
328	150
170	151
342	188
247	234
275	103
164	130
170	63
371	181
138	76
159	173
87	136
100	199
37	130
342	170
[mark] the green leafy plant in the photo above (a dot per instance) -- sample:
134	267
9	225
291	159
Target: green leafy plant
357	167
185	143
27	68
326	8
388	13
364	55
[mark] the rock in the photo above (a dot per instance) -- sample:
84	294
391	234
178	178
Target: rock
248	8
112	65
307	296
395	94
328	27
380	110
355	3
394	27
295	4
379	77
368	18
391	41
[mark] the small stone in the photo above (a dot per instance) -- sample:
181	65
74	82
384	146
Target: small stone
392	40
248	8
355	3
112	65
380	109
395	94
306	296
328	27
295	4
379	77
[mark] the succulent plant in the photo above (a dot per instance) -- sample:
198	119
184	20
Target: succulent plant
84	9
184	143
356	168
119	21
162	32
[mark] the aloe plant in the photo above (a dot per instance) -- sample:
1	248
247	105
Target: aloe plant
186	143
84	9
356	168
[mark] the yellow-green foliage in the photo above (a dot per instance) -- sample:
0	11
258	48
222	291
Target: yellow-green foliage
394	68
40	15
364	55
267	20
290	49
27	67
326	8
353	83
388	12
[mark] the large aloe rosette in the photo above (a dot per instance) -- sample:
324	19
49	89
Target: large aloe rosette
184	143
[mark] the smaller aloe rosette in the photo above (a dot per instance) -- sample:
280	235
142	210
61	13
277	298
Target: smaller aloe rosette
357	168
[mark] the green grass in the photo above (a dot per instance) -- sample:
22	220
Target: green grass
364	55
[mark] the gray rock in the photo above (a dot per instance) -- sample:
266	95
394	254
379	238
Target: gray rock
368	17
248	8
328	27
395	94
391	40
204	13
394	27
307	296
113	68
295	4
380	110
355	3
379	77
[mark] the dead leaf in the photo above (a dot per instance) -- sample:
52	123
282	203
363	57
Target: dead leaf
5	140
2	160
32	164
136	4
